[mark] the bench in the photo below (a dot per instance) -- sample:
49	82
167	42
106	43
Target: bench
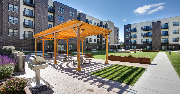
93	49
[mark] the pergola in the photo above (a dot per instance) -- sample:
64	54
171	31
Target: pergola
71	29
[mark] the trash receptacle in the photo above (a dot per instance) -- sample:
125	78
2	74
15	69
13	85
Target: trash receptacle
20	66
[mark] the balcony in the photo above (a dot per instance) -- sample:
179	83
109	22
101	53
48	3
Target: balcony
28	14
28	3
28	25
28	36
147	42
50	19
164	26
134	42
50	9
165	41
134	30
133	36
147	28
147	36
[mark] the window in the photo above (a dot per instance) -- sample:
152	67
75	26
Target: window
28	23
61	9
94	23
28	34
127	41
127	35
97	24
98	41
15	8
176	31
94	40
164	33
141	40
127	29
15	20
50	18
71	13
141	34
49	26
175	39
90	39
133	47
175	23
28	12
60	18
103	41
127	47
90	22
87	21
11	19
11	7
13	32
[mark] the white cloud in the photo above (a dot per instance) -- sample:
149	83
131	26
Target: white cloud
124	19
144	9
154	10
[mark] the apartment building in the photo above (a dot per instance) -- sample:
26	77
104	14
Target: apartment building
21	19
161	34
97	41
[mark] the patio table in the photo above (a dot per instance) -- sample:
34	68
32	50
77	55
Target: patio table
51	53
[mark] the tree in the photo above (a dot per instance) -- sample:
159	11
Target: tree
122	45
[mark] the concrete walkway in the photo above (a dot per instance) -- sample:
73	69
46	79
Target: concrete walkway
159	78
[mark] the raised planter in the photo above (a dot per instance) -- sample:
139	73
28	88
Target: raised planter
88	55
129	59
150	50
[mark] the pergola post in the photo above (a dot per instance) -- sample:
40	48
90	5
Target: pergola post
57	47
55	62
78	49
35	45
106	37
43	39
82	40
67	40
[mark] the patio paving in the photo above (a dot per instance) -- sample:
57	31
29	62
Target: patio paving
159	78
65	79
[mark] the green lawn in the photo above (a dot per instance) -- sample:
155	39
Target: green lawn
175	60
151	55
121	73
100	52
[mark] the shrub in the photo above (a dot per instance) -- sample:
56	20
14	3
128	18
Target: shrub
129	55
13	85
141	57
6	66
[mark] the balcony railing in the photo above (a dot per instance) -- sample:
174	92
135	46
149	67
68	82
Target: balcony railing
28	36
28	25
165	35
28	14
134	42
147	42
50	9
133	36
147	35
164	26
147	28
134	30
165	41
29	3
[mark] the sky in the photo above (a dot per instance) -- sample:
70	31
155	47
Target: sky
123	12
